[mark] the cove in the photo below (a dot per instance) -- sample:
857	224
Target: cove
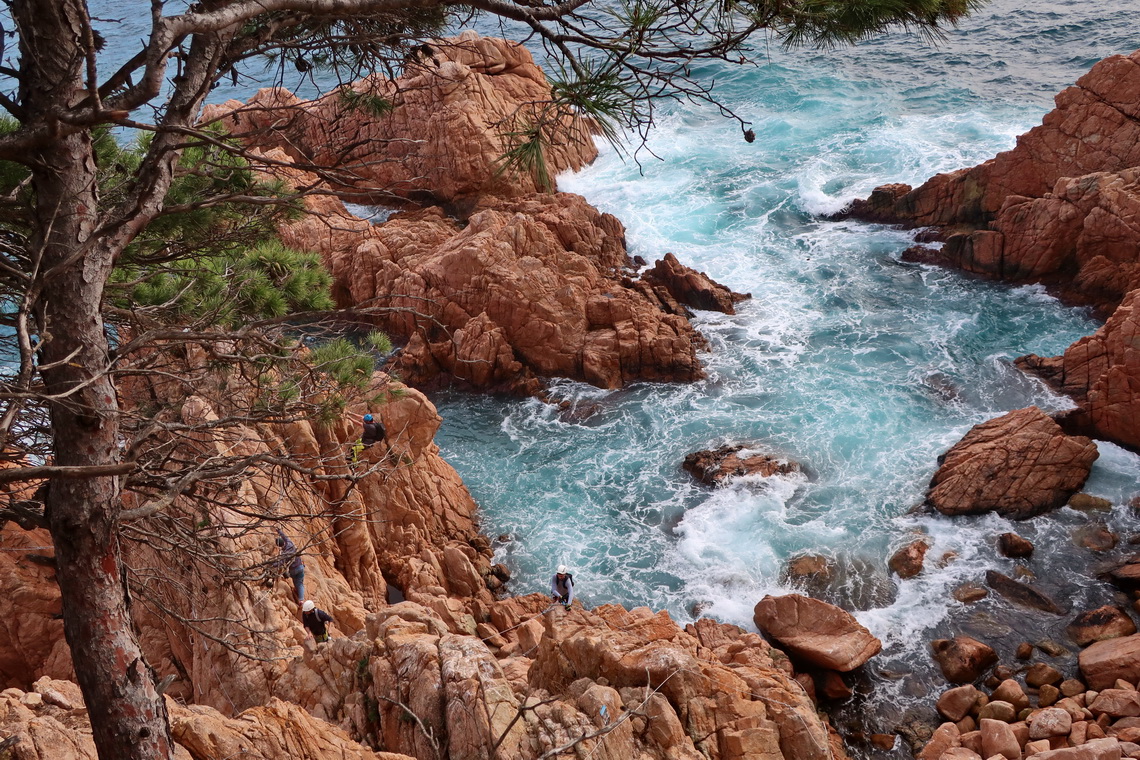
860	367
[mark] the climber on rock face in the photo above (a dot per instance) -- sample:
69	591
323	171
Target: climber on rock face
562	587
315	621
373	432
290	564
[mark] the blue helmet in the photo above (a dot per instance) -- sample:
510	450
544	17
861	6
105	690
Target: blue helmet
368	418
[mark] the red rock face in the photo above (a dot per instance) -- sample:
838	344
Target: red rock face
442	139
1102	373
1060	208
1018	465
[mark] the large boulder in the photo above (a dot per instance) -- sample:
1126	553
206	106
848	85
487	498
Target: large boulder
1107	622
817	632
963	659
1018	465
907	561
1104	662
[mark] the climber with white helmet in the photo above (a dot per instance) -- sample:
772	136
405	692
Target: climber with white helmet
562	587
315	621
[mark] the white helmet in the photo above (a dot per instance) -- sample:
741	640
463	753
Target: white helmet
308	606
562	569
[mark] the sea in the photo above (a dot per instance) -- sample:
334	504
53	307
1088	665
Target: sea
858	366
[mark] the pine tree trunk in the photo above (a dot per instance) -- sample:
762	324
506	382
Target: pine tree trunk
128	716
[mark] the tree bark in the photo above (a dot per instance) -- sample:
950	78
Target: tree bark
128	715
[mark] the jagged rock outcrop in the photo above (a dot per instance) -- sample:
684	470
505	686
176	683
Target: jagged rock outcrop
505	287
1018	465
673	282
437	134
635	682
1059	208
203	609
530	287
1101	373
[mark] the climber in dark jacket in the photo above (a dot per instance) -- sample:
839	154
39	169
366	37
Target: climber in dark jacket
316	621
373	431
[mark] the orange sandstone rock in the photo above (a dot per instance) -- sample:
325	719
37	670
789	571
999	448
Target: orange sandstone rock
1019	465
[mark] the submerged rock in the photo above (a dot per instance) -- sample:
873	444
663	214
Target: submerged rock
847	581
907	561
1018	465
1088	503
1014	546
714	466
1095	536
1021	593
963	659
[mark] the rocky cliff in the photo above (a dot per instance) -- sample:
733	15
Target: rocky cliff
1060	208
449	672
488	284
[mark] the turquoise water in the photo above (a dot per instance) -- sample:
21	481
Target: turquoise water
862	368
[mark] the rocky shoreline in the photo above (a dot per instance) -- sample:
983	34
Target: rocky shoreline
494	286
1060	209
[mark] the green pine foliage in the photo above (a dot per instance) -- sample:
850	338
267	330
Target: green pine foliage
214	264
263	282
344	363
526	154
369	103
